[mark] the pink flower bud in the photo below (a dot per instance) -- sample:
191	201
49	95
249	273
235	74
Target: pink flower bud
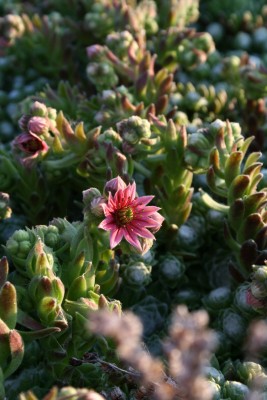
23	122
39	109
96	206
114	185
38	125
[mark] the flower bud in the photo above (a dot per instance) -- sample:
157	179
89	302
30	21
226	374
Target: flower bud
39	109
23	122
52	113
89	195
38	125
114	185
96	206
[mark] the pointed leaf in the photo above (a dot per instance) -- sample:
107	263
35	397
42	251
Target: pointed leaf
238	187
17	352
8	305
3	270
249	228
252	158
33	335
78	288
79	132
236	213
211	179
248	255
215	162
254	202
261	238
210	202
232	243
246	144
232	166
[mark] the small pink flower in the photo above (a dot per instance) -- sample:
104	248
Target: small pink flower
30	144
128	216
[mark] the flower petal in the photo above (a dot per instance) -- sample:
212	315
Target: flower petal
157	218
158	222
107	224
142	231
131	238
116	236
130	192
120	199
146	210
143	200
147	221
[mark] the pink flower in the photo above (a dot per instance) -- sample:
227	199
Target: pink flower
30	144
128	216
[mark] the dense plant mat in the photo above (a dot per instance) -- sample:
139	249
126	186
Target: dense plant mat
133	220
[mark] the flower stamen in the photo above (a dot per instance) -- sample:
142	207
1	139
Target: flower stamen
124	216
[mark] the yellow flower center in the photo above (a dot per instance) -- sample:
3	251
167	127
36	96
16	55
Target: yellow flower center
124	216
